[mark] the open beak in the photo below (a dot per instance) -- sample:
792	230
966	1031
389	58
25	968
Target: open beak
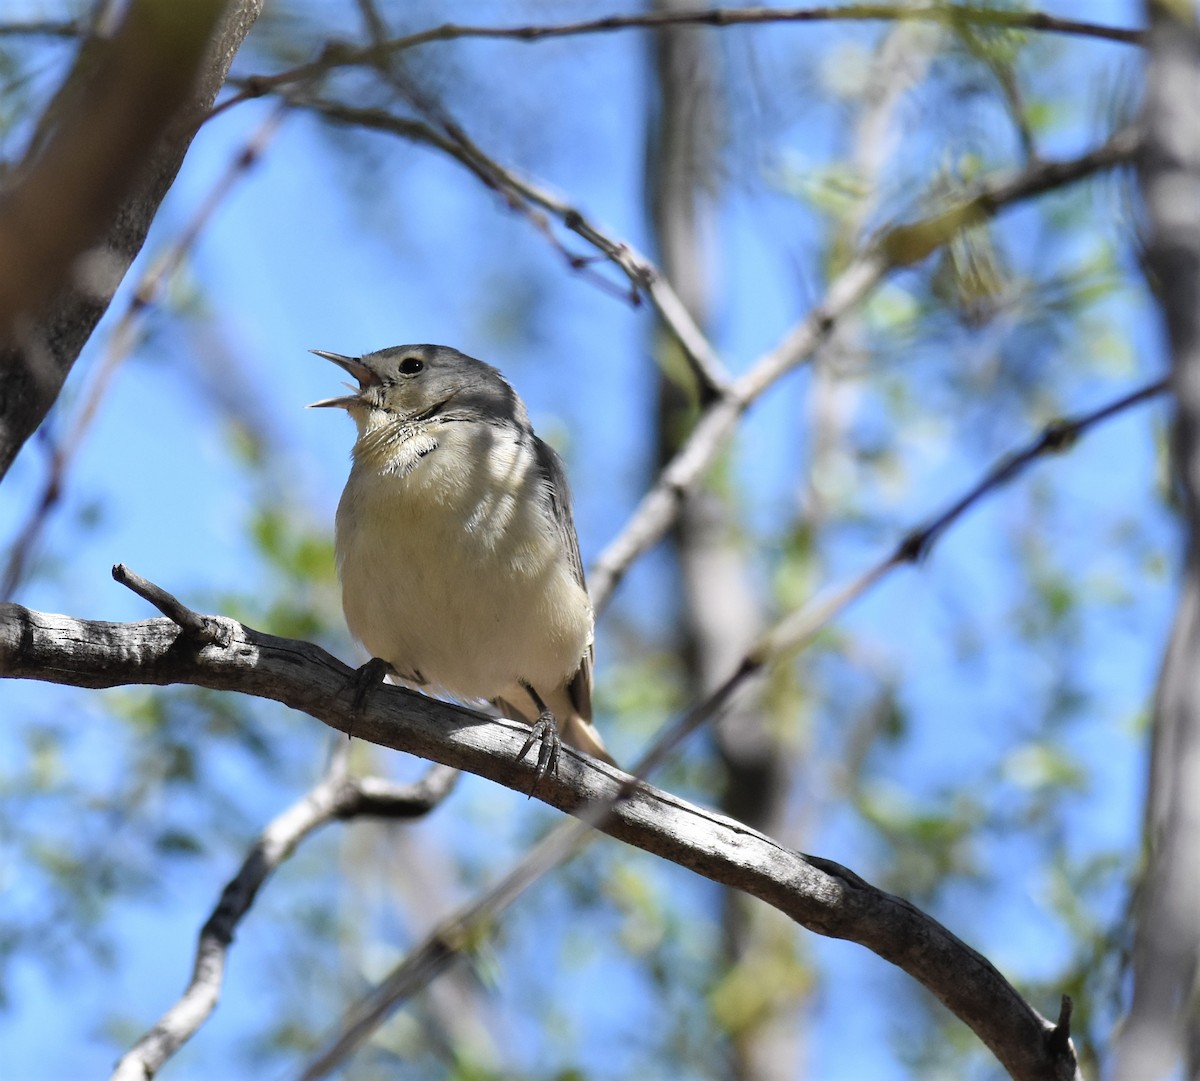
364	375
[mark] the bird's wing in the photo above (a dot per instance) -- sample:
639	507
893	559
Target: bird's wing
558	496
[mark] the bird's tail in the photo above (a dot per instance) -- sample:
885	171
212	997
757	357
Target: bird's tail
583	735
574	729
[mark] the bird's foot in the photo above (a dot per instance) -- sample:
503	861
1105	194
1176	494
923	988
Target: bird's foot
545	731
363	682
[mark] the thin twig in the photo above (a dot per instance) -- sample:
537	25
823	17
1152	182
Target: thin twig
795	631
946	14
46	28
1060	1038
202	629
816	893
338	54
120	344
1057	436
894	248
336	797
523	196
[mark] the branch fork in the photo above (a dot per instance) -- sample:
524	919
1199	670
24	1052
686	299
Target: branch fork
201	629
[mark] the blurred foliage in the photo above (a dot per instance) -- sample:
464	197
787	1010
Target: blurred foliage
957	738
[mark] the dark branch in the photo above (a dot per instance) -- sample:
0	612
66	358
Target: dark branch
797	630
1057	436
946	14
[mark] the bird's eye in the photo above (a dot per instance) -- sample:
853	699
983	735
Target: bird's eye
412	365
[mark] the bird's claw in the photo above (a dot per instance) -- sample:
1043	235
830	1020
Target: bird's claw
363	682
545	730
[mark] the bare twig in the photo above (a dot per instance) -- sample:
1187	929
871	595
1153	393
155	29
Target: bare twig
45	28
946	14
1060	1038
341	55
795	631
335	798
203	630
896	247
526	197
118	347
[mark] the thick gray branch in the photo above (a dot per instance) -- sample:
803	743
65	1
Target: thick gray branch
1167	937
818	894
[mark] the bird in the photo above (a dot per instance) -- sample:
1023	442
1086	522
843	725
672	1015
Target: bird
456	546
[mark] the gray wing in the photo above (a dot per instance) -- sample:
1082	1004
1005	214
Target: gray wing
558	498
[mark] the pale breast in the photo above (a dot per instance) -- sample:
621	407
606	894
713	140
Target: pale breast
452	569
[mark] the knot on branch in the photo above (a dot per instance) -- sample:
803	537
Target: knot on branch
1059	435
337	53
915	545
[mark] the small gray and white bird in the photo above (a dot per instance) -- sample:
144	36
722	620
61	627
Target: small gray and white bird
456	548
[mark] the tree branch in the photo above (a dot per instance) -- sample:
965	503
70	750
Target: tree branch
341	55
49	28
796	630
896	247
523	195
1159	1035
946	14
335	797
119	344
818	894
899	246
105	154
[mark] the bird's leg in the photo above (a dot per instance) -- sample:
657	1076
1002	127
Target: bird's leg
364	681
545	729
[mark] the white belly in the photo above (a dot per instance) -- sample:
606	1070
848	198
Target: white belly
451	575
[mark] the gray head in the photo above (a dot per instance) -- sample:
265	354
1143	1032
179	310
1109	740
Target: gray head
412	383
